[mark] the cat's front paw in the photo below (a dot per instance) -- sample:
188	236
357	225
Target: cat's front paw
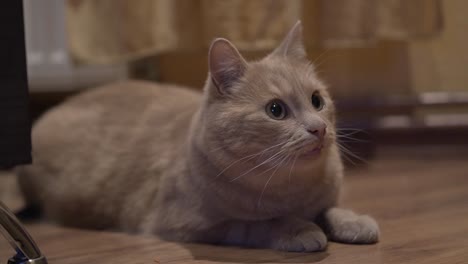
306	240
347	227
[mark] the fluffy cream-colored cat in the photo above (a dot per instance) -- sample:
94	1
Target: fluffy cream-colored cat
251	162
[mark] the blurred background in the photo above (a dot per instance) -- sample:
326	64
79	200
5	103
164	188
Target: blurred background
396	68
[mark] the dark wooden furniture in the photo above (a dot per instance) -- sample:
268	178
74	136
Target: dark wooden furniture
15	142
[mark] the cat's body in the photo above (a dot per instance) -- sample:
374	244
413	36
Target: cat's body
215	168
87	155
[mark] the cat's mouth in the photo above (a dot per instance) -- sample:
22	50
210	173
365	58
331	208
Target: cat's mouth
312	152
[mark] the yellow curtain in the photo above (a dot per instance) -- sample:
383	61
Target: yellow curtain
347	23
107	31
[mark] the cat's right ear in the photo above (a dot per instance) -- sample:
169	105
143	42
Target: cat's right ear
226	65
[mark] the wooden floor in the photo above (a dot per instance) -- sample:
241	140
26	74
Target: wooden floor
419	200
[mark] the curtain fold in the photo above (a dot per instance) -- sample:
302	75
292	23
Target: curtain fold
348	23
107	31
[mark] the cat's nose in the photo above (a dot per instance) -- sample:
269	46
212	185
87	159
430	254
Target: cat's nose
318	131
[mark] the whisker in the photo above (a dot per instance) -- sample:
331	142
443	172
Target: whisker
249	156
269	179
349	128
353	130
261	173
266	152
351	139
272	158
348	134
232	164
344	155
316	66
347	142
289	176
347	151
292	166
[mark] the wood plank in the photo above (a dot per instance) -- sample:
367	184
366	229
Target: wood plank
421	206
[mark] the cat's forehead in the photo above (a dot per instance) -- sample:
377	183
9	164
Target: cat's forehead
284	77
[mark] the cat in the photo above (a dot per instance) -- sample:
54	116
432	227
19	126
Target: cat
251	162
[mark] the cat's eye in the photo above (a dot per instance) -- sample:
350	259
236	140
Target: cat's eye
276	109
317	101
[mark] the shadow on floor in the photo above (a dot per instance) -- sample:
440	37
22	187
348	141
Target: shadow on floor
242	255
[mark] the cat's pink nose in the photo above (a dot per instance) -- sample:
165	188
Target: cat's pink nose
318	132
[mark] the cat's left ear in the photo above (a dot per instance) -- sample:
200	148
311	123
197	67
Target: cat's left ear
292	45
226	65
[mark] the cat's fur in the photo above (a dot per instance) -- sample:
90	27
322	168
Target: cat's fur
162	159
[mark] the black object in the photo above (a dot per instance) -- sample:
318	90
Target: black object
20	240
15	128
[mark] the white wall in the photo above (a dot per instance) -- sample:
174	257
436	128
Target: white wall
50	67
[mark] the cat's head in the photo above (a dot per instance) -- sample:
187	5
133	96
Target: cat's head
275	108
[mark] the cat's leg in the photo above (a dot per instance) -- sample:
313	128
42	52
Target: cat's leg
287	234
345	226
